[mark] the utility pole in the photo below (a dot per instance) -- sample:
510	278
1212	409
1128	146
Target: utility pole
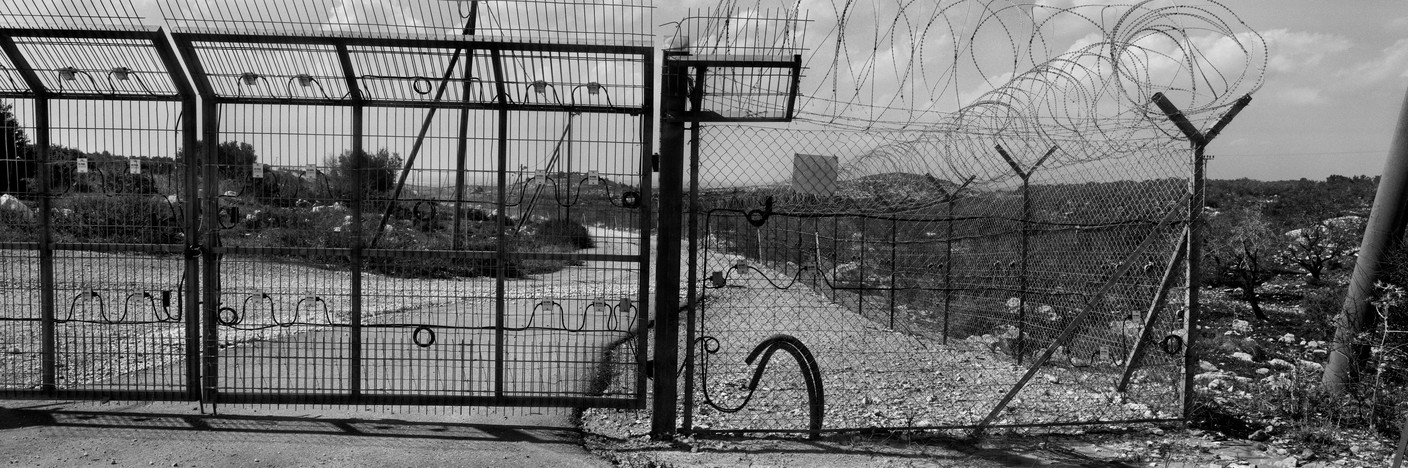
1382	235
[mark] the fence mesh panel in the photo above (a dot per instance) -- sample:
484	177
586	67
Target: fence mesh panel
926	281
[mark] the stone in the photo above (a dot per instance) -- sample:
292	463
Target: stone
10	203
1288	462
1279	363
1241	326
1288	338
1262	371
1242	356
1206	366
1259	436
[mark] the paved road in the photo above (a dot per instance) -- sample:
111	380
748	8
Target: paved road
172	434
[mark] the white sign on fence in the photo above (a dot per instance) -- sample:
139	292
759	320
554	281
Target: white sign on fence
82	165
259	170
134	166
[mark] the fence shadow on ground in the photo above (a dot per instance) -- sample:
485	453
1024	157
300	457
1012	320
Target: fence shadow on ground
46	416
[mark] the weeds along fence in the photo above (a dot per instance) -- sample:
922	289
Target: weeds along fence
925	288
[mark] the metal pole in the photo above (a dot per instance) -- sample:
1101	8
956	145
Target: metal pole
692	298
190	194
1151	317
894	270
462	150
47	330
567	168
1199	141
359	162
1022	275
500	257
47	333
643	219
1382	234
674	95
461	154
210	295
860	290
948	267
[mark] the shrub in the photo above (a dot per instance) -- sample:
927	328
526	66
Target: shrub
121	219
16	227
566	232
1321	305
378	171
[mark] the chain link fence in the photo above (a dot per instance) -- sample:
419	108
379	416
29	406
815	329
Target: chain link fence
928	273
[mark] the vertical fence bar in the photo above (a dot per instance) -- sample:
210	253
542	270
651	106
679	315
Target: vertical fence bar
462	149
647	132
209	260
359	160
692	296
189	196
500	256
948	266
894	267
1022	274
861	288
48	333
48	360
191	226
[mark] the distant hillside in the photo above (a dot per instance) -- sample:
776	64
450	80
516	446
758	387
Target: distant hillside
1294	202
896	186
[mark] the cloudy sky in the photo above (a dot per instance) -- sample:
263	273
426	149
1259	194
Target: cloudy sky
1335	75
1334	79
1335	82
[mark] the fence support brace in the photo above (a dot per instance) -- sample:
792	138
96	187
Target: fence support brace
1073	325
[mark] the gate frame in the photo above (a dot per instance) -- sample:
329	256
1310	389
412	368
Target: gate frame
210	111
155	37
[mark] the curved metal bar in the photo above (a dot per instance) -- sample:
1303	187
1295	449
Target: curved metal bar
811	374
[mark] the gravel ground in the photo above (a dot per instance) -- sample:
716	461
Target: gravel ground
873	377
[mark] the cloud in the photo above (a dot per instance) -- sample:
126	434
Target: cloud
1391	63
1298	95
1293	51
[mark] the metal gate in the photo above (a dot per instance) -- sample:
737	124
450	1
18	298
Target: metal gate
368	214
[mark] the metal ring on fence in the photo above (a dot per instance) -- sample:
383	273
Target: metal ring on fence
757	218
416	85
427	215
1172	344
228	316
416	336
630	200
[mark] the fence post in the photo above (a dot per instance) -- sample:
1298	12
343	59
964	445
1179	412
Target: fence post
191	209
359	160
1026	175
674	93
48	359
948	266
860	290
210	268
894	268
47	338
1200	141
